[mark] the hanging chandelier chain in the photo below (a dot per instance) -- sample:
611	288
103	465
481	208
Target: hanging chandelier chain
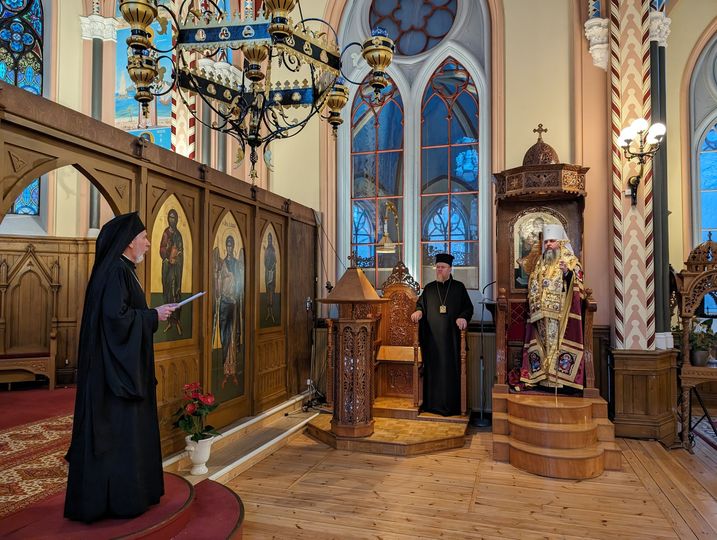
249	103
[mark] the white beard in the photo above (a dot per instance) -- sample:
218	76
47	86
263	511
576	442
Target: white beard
550	255
139	259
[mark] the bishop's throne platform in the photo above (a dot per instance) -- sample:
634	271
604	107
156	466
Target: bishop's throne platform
559	436
374	373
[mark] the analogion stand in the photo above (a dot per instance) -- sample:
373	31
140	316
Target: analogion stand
351	346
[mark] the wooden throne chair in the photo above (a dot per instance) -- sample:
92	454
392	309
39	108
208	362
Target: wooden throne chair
399	365
563	437
398	370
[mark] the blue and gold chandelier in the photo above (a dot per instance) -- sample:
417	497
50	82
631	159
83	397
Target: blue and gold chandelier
255	103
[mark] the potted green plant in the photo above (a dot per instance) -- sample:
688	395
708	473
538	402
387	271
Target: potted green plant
191	418
702	343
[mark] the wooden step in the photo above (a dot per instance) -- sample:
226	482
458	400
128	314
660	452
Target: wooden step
553	435
573	464
547	409
402	408
394	437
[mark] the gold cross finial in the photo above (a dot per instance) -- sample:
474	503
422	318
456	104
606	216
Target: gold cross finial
540	130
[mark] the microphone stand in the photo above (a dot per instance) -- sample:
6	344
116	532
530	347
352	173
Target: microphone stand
482	421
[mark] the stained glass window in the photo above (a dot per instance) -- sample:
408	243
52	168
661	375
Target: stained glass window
21	32
415	26
28	203
708	183
377	181
449	171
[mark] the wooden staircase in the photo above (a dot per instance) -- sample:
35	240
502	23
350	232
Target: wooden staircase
567	437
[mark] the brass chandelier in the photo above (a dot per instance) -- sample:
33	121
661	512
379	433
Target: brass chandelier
249	102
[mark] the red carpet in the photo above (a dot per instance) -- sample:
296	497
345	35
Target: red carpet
24	406
33	465
45	519
206	511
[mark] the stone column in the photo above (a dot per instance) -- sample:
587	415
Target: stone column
659	30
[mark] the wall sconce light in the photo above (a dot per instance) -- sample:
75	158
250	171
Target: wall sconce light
386	245
640	141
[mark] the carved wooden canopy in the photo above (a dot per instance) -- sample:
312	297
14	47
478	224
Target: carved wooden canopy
698	278
541	176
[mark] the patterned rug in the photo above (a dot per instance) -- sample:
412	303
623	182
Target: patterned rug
33	465
705	432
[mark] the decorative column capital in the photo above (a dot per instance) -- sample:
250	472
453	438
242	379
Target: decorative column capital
99	27
596	32
659	27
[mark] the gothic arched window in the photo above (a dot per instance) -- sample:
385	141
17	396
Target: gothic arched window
707	171
21	33
449	169
377	181
441	70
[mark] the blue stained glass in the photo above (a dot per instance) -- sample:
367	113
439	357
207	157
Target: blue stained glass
710	142
709	210
464	216
364	133
16	5
414	25
708	170
436	225
434	167
390	126
465	253
364	175
364	218
435	122
390	173
465	169
28	203
21	28
464	121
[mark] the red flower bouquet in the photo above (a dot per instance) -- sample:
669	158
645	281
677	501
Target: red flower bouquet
191	416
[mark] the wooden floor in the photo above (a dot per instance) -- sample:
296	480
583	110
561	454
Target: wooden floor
308	490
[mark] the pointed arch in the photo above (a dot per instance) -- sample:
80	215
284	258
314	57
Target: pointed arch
473	41
703	142
449	150
377	179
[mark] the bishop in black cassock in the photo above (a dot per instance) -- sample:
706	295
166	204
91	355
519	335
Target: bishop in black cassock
115	456
443	309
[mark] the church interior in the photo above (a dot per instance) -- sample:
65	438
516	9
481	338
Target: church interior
301	168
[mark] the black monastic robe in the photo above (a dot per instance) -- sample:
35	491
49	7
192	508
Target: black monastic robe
115	456
440	344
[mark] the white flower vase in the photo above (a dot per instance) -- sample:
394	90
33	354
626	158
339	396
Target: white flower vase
199	454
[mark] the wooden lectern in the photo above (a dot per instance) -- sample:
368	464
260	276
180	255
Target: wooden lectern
351	353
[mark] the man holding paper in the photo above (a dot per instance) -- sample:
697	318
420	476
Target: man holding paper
115	455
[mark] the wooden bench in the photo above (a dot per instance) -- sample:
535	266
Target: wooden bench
25	366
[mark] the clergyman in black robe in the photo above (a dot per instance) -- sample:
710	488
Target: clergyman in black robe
115	456
443	309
